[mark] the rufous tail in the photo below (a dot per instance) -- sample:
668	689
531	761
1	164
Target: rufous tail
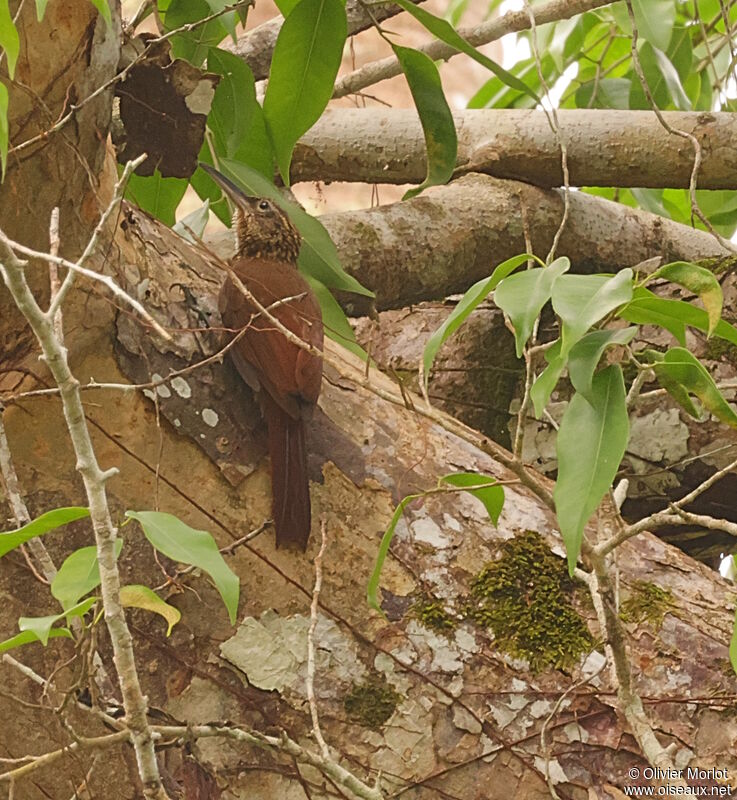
289	481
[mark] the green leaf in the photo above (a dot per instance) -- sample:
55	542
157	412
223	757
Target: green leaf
673	315
306	60
441	142
104	9
523	296
4	133
654	20
591	442
582	300
196	222
40	627
372	590
672	80
319	256
610	93
229	20
443	30
468	303
547	380
41	9
681	367
236	119
193	45
28	636
586	353
492	496
159	196
79	575
700	281
9	540
334	319
286	6
9	39
136	596
179	542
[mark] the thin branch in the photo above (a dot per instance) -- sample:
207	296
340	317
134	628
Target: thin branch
94	479
57	298
695	208
490	31
314	607
283	743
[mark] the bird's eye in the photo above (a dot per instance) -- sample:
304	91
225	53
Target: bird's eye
263	205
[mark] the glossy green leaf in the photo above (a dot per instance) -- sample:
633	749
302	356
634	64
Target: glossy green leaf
547	380
672	80
179	542
104	9
9	39
700	281
522	297
372	590
654	20
441	143
136	596
236	119
319	256
443	30
306	59
673	387
40	627
646	308
681	367
159	196
79	575
4	133
41	9
583	300
28	636
591	442
492	496
9	540
193	223
466	305
587	352
334	319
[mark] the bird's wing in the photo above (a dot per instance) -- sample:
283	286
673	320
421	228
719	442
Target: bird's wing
290	374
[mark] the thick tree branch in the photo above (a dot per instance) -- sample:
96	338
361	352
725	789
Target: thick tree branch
604	148
484	33
256	46
445	240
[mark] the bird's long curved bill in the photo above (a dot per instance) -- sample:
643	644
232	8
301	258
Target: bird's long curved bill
236	194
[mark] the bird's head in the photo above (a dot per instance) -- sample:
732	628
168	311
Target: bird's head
262	229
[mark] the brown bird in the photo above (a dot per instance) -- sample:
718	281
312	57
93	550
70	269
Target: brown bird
286	376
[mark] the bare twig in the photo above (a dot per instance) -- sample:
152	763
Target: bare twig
487	32
695	208
94	479
314	607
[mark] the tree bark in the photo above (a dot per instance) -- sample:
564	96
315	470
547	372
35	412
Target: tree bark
605	148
